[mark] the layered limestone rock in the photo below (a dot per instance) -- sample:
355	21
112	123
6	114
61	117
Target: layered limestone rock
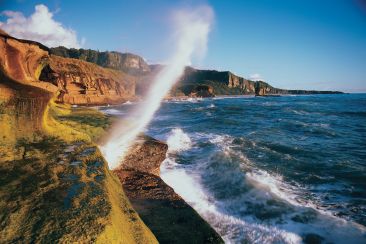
168	216
81	82
127	62
74	81
189	85
20	62
22	104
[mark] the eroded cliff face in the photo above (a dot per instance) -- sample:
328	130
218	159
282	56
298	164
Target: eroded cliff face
22	104
126	62
55	185
81	82
225	78
21	61
73	81
227	83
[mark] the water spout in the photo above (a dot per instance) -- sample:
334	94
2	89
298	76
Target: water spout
192	28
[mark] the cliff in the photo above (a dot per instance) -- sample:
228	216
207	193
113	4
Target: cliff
127	62
55	185
193	83
73	81
80	82
227	83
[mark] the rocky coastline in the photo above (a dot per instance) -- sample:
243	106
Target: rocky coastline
167	215
49	157
51	165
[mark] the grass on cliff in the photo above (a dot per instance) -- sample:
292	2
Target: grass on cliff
79	123
56	186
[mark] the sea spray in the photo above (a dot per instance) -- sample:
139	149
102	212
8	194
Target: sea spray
178	141
191	32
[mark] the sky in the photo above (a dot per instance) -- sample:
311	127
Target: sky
302	44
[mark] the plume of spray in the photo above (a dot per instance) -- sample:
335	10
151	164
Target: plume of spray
191	35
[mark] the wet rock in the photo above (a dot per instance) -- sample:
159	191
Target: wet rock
94	168
169	217
72	192
312	238
76	163
70	148
145	156
87	152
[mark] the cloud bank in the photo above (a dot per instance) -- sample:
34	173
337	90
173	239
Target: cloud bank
40	26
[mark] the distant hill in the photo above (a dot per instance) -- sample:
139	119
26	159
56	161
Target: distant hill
227	83
126	62
194	82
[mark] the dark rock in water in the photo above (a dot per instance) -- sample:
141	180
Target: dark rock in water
305	217
168	216
312	238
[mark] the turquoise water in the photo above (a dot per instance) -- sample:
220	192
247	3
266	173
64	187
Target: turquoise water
286	169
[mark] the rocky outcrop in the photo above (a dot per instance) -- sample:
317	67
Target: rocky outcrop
127	62
74	81
227	83
80	82
193	83
264	89
22	104
226	78
145	156
20	61
168	216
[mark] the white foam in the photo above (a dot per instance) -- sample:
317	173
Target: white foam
232	229
178	141
225	217
113	111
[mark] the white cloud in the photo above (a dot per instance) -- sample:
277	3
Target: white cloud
41	27
256	77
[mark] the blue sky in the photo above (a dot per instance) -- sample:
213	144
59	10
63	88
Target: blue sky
290	44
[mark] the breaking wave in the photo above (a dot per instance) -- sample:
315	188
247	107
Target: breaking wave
282	215
178	141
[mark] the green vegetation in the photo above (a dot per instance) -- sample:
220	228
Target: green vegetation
80	123
219	88
45	197
112	60
55	185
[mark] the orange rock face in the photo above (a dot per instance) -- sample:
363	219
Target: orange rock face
81	82
72	81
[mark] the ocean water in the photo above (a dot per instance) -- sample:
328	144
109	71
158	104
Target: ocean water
289	169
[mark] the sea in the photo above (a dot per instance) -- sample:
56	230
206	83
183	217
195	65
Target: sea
286	169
